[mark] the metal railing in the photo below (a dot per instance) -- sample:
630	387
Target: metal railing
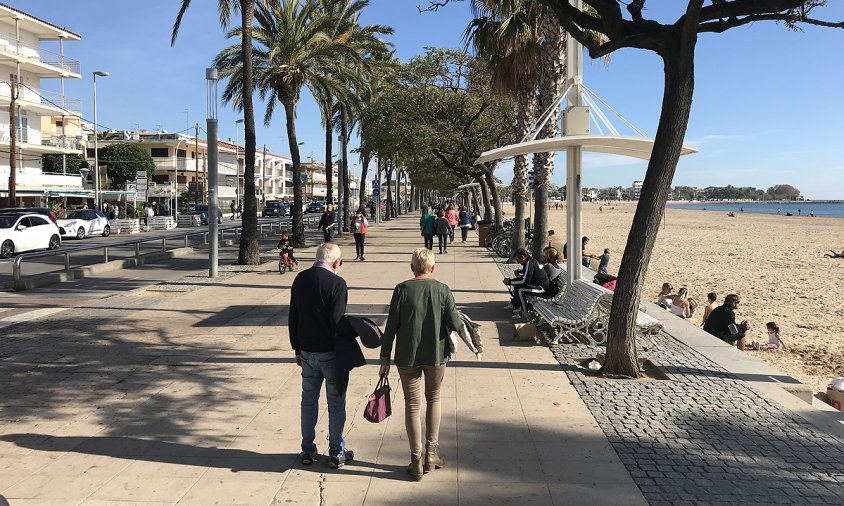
183	239
13	46
59	100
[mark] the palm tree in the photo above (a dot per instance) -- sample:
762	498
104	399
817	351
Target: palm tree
294	49
505	34
249	252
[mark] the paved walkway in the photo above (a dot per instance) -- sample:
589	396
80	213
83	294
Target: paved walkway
187	393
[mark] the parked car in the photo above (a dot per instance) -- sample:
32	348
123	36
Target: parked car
27	232
316	207
46	211
275	208
83	223
202	211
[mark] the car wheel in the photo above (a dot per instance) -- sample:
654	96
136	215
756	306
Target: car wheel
55	242
106	231
80	233
7	249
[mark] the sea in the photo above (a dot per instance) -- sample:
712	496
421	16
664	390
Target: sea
827	208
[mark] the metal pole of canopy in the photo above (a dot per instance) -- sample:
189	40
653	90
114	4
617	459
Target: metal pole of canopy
574	157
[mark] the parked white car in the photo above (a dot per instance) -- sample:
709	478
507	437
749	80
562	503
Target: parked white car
27	232
84	222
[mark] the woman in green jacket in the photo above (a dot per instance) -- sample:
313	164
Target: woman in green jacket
426	224
422	314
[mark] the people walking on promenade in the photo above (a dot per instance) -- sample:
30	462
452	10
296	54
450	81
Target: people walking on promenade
422	314
452	217
233	208
442	229
317	307
464	220
358	228
326	222
426	225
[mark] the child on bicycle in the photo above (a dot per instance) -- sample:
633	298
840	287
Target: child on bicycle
285	246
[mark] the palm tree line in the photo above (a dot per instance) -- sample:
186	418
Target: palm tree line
285	46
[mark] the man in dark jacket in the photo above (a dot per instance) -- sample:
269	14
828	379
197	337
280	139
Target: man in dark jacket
317	308
721	322
534	281
326	222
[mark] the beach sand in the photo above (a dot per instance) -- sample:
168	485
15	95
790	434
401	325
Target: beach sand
775	263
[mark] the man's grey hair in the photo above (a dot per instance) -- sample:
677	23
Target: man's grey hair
328	253
422	261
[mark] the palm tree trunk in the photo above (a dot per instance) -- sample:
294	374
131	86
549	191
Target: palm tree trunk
329	167
344	129
673	121
526	100
364	173
496	200
249	253
297	236
551	81
487	214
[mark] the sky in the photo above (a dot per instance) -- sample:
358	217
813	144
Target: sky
768	103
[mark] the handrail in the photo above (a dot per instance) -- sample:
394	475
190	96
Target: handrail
19	259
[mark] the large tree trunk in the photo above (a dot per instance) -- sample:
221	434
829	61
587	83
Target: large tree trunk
552	77
329	166
297	236
496	201
399	196
673	121
487	211
249	253
387	174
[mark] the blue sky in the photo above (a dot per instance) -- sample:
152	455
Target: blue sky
768	105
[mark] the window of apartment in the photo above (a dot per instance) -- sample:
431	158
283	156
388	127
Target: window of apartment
160	178
89	152
181	153
159	152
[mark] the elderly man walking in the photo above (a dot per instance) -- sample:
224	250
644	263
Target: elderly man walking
317	306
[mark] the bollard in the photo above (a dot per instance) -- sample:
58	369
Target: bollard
67	261
105	254
137	253
163	244
186	240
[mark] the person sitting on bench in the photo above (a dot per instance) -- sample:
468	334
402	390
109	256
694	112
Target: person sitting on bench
533	281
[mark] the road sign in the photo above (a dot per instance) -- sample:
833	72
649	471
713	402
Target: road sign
140	174
376	192
376	184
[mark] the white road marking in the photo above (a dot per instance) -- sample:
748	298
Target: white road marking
30	315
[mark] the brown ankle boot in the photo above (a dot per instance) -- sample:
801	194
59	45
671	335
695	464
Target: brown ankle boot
432	459
415	468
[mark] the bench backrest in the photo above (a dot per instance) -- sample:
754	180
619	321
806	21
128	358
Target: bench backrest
581	297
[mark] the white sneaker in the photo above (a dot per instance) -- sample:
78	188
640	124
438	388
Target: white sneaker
517	316
509	306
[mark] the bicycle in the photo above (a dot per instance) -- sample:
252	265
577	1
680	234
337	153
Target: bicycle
286	263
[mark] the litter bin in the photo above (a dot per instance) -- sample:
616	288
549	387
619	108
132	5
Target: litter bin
835	393
484	229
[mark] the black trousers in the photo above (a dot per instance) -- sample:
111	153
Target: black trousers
464	232
442	240
359	241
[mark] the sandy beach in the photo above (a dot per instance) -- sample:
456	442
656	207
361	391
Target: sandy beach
775	263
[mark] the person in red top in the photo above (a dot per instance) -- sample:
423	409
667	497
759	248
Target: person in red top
358	228
452	217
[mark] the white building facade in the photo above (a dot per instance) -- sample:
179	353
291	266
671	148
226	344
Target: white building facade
23	58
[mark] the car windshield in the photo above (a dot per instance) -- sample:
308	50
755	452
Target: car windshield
8	221
273	204
201	208
76	215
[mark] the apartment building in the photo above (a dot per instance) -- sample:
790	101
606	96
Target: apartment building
26	60
636	189
181	167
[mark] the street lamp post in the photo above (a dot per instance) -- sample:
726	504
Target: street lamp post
211	123
176	169
99	73
237	162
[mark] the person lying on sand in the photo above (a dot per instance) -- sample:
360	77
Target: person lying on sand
834	254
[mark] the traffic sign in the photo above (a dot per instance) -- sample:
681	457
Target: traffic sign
376	192
376	184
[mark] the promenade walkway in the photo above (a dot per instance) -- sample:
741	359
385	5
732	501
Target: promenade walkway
187	393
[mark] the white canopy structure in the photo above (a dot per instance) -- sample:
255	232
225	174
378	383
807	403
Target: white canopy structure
577	117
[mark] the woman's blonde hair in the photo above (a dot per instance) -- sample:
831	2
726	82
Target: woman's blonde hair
422	261
551	255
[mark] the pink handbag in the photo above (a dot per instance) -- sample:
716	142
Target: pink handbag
379	408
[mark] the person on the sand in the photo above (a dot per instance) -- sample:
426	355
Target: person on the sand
722	323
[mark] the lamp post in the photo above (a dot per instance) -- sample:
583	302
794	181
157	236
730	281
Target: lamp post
99	73
211	126
176	169
237	162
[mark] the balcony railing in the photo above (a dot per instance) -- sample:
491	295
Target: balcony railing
59	100
64	141
11	45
